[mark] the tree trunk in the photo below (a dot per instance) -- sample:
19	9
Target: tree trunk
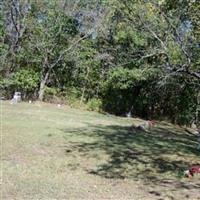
198	110
82	96
84	88
42	85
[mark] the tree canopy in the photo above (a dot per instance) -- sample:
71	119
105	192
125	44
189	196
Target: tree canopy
116	56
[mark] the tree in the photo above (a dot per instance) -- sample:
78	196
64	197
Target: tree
49	38
138	56
148	34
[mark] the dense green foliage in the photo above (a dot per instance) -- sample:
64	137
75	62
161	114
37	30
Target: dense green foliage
141	57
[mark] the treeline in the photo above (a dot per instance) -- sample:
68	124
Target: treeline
132	56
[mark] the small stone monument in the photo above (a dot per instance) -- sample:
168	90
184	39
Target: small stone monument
128	114
17	98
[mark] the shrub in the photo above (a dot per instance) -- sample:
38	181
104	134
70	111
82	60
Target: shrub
94	104
70	96
25	80
51	94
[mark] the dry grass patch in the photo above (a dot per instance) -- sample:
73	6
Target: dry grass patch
64	153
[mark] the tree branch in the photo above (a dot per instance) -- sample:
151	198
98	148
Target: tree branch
152	54
67	50
153	33
177	36
184	69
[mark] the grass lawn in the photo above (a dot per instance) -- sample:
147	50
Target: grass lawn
64	153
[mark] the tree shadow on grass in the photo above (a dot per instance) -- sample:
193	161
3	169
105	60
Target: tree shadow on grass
135	154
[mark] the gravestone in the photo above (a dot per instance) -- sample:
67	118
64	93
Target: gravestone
17	98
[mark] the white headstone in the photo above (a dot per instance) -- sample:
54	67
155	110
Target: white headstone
16	98
128	115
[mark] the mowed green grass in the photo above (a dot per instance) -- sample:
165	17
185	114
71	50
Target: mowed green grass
64	153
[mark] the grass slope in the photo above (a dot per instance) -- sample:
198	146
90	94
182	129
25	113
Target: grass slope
64	153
